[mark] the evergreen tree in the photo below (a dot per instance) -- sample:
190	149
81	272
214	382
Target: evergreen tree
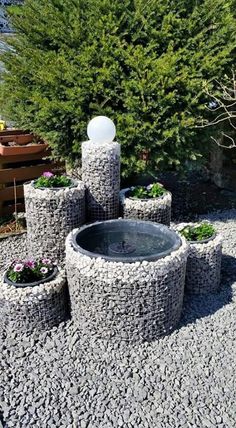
142	63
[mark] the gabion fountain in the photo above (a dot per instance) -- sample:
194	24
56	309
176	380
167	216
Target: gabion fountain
125	277
101	170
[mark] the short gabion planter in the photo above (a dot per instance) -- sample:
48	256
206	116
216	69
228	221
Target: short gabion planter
33	309
101	175
50	215
126	279
156	209
203	270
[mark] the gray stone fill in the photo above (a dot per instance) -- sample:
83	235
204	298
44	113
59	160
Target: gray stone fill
101	176
183	380
204	264
154	209
50	215
33	309
132	302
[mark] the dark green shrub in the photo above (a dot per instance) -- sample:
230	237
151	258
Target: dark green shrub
142	63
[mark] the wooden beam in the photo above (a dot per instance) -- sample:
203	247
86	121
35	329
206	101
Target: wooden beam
24	158
9	209
7	194
13	132
24	173
19	139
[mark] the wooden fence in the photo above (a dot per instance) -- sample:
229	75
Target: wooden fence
20	169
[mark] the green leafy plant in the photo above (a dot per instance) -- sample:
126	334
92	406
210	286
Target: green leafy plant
48	180
139	192
142	63
198	233
152	191
156	190
27	271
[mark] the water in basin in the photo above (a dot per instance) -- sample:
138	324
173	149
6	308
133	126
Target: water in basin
126	240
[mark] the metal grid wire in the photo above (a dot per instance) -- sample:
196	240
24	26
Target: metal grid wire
132	302
157	210
101	175
203	270
32	313
50	216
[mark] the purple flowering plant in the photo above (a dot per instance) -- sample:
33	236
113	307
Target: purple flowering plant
27	271
48	179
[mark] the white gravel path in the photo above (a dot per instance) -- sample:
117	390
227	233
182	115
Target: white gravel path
184	380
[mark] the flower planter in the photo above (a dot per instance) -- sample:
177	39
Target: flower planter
31	284
33	309
130	301
204	264
25	143
17	138
22	150
13	227
50	215
154	209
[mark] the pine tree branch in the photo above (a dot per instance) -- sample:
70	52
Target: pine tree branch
221	101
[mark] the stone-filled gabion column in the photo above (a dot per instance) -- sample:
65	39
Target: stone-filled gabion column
101	175
203	270
33	309
50	215
131	302
154	209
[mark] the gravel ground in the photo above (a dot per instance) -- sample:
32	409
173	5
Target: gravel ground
184	380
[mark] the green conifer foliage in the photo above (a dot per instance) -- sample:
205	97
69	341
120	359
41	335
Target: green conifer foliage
140	62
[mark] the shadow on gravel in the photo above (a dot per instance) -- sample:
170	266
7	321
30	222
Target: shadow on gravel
228	271
200	306
220	216
2	423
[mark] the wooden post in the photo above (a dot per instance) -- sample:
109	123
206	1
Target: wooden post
22	169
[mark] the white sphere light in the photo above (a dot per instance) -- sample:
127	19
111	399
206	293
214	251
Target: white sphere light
101	129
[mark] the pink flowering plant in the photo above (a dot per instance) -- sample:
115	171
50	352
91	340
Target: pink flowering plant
28	271
48	179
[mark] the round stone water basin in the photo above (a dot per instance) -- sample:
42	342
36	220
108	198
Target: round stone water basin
126	240
126	279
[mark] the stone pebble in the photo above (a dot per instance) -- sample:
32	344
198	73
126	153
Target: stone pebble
101	175
204	263
126	301
188	377
50	215
153	209
27	310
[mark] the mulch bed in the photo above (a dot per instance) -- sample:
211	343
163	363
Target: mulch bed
197	195
10	226
192	195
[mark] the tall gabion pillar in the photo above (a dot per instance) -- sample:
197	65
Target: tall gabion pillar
101	170
50	215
